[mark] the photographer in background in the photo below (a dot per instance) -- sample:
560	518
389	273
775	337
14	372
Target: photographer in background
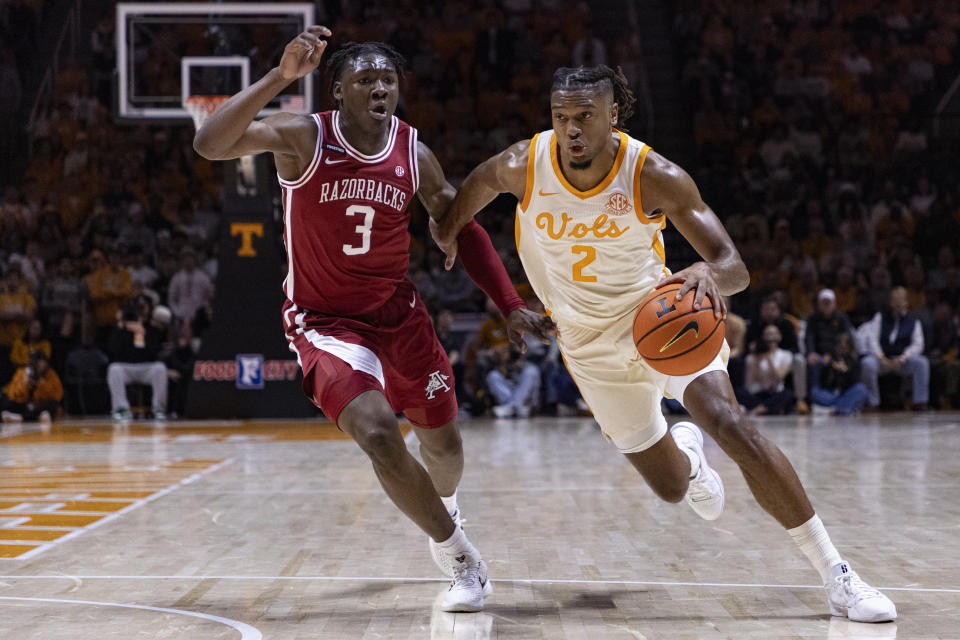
134	348
768	366
34	393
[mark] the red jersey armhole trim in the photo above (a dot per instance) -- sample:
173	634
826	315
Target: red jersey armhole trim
312	167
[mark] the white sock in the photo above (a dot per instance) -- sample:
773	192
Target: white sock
450	503
457	544
813	540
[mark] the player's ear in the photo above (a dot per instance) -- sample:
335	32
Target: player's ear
614	114
337	90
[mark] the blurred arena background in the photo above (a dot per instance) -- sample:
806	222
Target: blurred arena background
822	133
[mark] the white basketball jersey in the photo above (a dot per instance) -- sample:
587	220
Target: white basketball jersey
591	256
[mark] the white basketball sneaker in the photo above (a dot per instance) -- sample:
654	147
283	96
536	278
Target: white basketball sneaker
469	586
851	597
705	493
443	560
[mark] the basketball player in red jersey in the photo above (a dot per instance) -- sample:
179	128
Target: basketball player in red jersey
361	334
571	174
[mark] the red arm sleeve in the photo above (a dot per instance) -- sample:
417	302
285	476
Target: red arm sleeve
484	266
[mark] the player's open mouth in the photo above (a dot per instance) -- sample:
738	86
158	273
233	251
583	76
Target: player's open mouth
379	111
577	149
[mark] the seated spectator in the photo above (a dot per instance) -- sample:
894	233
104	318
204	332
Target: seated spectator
142	275
514	382
34	393
178	355
190	293
839	390
17	307
33	341
768	366
771	312
134	349
894	343
824	328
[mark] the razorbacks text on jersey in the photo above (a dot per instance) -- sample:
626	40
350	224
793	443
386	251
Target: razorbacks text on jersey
591	256
346	222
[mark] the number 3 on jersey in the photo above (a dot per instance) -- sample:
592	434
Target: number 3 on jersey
590	254
362	229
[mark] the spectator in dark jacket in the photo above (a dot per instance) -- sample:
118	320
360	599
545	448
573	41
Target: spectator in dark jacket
134	349
894	340
839	390
824	328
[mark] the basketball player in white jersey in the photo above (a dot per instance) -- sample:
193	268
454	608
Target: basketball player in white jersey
592	204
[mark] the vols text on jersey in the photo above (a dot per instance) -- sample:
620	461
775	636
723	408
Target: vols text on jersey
602	227
363	189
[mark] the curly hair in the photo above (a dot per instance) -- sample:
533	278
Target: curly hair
353	50
603	78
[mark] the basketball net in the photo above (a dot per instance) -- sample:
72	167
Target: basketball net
200	107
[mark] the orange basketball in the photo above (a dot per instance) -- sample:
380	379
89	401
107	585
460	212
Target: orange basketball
672	337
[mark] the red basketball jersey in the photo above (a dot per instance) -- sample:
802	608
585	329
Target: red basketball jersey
346	223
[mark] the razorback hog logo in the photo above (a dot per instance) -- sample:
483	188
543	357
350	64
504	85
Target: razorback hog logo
618	204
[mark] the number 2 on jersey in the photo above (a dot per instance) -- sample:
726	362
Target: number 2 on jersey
362	229
590	256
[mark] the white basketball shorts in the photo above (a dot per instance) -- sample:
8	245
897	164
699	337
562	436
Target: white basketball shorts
623	392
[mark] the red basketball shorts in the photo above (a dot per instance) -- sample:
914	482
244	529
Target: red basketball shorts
393	350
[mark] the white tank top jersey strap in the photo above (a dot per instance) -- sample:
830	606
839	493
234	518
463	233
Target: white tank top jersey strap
591	256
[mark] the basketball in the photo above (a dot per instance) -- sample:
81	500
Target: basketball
672	336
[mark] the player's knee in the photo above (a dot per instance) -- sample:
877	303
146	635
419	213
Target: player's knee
380	440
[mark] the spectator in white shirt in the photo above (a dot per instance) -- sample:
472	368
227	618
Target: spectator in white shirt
768	366
142	275
893	340
190	288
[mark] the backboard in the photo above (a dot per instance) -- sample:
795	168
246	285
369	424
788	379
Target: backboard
169	51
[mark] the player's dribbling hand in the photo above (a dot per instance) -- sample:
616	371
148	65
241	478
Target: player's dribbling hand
698	277
302	54
521	321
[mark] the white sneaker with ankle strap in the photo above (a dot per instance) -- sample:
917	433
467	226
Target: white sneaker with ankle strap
470	585
850	597
705	493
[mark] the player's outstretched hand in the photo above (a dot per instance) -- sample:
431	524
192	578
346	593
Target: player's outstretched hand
448	246
521	321
302	54
699	278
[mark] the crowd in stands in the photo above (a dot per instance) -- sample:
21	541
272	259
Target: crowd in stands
813	126
813	144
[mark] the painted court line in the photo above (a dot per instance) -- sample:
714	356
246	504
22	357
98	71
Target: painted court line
116	514
246	631
655	583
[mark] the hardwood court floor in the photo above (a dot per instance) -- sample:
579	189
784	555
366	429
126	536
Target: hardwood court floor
280	531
